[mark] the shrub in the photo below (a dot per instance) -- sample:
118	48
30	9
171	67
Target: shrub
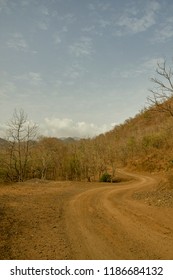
105	177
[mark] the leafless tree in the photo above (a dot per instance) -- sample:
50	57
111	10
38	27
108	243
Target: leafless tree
162	94
20	135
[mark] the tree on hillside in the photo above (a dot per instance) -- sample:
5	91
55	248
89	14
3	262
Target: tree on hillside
20	135
162	94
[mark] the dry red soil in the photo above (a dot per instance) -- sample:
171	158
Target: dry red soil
80	220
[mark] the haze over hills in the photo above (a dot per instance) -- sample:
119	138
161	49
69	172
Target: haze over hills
65	139
69	139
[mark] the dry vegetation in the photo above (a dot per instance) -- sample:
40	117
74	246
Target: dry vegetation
142	143
52	211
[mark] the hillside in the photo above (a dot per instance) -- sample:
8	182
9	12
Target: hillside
145	141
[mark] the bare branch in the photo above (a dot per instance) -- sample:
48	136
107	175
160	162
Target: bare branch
20	135
161	99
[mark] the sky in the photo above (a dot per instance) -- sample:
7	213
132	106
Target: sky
79	67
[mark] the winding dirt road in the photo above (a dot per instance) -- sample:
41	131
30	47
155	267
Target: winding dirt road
80	220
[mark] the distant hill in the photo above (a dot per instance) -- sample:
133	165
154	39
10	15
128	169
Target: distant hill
69	139
3	142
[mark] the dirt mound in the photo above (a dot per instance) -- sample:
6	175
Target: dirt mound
160	196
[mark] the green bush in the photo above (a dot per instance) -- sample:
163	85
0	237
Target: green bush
105	177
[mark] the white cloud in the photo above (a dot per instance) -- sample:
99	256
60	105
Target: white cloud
68	19
24	3
57	36
91	7
74	72
104	23
64	29
43	25
82	47
17	42
133	20
44	10
3	4
7	88
151	64
164	32
131	71
99	6
34	78
104	6
43	22
148	65
3	129
69	128
57	39
88	28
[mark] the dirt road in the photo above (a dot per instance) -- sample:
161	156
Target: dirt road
80	220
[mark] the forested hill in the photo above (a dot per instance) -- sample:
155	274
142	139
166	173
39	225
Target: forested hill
145	142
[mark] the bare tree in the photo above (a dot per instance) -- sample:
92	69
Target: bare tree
162	98
20	136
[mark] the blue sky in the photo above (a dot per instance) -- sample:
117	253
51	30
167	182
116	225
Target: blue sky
78	67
